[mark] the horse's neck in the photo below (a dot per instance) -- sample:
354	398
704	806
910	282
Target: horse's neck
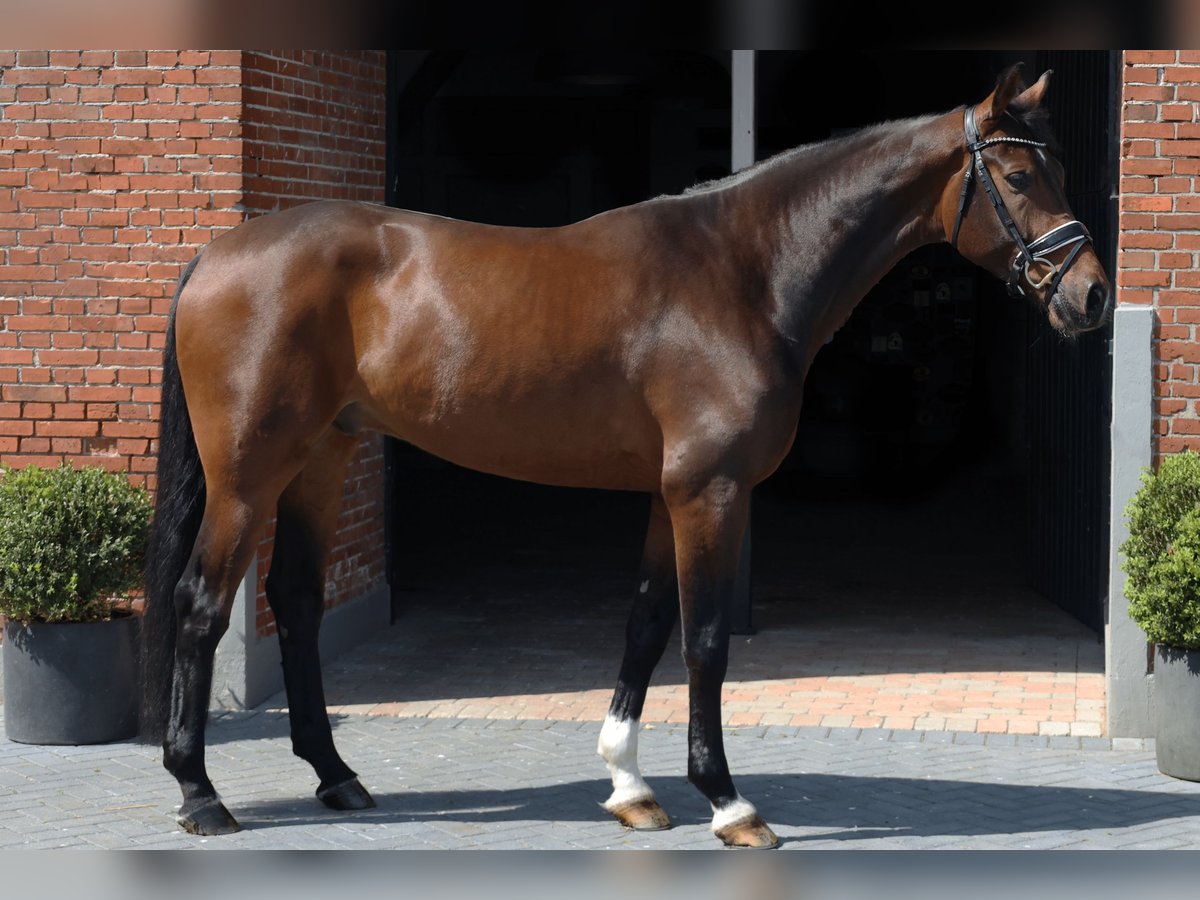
847	215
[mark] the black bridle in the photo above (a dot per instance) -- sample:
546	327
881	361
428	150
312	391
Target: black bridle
1034	253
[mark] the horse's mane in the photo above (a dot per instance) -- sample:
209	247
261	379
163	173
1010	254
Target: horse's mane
785	156
1035	120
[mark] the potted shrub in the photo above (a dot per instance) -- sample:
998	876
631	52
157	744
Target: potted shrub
72	546
1162	559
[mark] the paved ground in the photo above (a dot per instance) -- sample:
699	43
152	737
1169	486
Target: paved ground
899	693
448	783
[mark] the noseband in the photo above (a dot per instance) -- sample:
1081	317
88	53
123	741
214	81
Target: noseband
1035	254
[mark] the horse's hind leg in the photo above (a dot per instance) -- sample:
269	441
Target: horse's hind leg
308	512
203	600
655	609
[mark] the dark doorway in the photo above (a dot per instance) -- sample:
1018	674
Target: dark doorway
534	139
941	397
941	392
1070	400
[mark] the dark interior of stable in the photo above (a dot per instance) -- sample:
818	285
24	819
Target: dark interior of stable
952	448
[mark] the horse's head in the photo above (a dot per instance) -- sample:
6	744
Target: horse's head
1006	210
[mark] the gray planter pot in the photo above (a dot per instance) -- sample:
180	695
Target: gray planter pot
70	683
1177	709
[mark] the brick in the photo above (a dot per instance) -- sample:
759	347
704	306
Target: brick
131	76
1151	278
1136	259
1145	203
67	429
1135	185
38	323
65	59
1173	185
1179	298
1186	351
1184	74
1140	92
1149	57
1149	130
43	393
1181	222
1148	240
1175	148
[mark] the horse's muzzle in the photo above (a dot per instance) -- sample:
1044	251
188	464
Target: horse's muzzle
1093	313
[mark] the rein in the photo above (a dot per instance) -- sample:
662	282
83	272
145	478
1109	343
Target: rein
1029	255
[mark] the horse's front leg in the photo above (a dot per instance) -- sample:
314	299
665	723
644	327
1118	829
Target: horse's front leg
709	519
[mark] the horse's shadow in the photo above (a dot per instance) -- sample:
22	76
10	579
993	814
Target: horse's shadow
827	806
835	807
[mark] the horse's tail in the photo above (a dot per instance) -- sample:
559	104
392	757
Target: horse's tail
178	509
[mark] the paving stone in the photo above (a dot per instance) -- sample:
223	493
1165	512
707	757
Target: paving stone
510	784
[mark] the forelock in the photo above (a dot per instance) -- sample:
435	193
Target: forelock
1037	122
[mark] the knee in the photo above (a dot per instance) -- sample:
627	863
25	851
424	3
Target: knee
706	657
202	618
297	613
646	637
285	584
296	595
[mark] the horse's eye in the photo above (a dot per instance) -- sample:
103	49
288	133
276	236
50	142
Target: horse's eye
1018	180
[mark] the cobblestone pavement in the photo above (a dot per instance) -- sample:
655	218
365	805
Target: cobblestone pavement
449	783
933	630
516	656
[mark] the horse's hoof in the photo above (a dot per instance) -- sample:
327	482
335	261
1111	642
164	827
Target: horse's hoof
209	818
349	795
642	815
753	834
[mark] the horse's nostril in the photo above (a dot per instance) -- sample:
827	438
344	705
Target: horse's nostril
1097	301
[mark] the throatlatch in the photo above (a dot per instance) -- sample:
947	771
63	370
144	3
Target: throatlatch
1029	255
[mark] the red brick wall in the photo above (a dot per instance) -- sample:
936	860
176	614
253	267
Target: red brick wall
116	167
292	153
1160	228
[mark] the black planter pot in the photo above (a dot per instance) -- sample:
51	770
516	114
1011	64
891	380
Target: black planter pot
70	683
1177	709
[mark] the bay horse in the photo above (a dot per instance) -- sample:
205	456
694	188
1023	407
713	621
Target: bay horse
660	347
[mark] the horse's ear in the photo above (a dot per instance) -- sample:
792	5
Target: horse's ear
1032	97
1008	85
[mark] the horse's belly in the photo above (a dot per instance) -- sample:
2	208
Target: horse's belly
551	439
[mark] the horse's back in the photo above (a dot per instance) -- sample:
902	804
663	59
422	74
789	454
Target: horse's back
512	350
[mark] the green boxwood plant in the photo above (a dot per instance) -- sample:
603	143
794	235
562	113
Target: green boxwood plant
1162	553
72	542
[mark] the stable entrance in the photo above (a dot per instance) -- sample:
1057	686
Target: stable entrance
949	435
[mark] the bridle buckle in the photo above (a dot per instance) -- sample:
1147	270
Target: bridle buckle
1045	279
